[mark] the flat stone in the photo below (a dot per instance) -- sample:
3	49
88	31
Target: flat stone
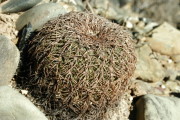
147	68
40	14
152	107
14	106
9	59
165	40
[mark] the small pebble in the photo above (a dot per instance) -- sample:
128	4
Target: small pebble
24	92
129	25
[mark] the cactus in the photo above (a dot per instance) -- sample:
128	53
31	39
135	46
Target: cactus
80	64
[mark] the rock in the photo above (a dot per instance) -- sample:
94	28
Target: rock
40	14
173	85
176	58
171	73
148	68
75	2
151	107
168	64
44	1
165	40
165	60
140	88
14	106
7	25
71	7
129	25
106	8
9	59
158	10
133	19
139	26
122	110
13	6
150	26
178	66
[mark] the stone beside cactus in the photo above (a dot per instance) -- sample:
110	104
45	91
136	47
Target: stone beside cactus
79	65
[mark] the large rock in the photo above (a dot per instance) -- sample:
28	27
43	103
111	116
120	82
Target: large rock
165	40
40	14
14	106
151	107
13	6
158	10
9	59
148	68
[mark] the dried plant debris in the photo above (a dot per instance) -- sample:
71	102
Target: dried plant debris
78	65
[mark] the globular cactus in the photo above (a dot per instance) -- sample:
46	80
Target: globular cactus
81	64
